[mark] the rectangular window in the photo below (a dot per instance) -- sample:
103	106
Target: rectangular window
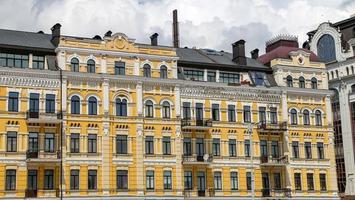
218	181
247	148
187	147
167	180
232	148
273	115
150	180
308	150
295	149
11	141
50	103
186	110
277	181
38	62
121	144
310	182
166	146
48	179
188	180
297	177
248	180
120	68
92	179
231	113
246	114
34	102
263	148
262	115
234	180
13	102
92	143
10	179
13	60
211	76
215	112
122	179
149	145
229	77
49	142
194	75
74	179
320	150
216	147
275	149
74	143
323	182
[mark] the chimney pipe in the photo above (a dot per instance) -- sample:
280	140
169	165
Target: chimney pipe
154	39
255	54
239	52
176	42
55	34
108	34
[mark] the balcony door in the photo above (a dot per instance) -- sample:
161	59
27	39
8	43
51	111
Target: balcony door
201	183
199	114
33	142
200	147
266	184
31	183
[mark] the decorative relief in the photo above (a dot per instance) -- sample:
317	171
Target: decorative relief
28	81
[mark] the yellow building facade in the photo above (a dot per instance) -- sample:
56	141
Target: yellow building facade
123	120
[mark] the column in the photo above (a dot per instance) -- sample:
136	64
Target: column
106	154
177	101
179	168
140	160
139	90
347	139
285	141
30	60
103	64
136	67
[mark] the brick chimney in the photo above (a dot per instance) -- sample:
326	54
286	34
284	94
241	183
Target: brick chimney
239	52
255	54
154	39
55	34
281	40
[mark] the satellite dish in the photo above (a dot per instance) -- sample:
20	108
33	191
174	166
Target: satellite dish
205	157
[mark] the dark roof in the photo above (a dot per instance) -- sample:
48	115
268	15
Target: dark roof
207	58
283	52
26	40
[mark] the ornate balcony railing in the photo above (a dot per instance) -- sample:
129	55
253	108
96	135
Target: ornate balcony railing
189	123
272	161
266	126
278	193
41	116
197	159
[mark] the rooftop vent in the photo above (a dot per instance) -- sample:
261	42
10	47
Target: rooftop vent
154	39
40	32
108	34
97	37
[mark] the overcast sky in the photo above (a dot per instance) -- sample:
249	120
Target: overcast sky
203	23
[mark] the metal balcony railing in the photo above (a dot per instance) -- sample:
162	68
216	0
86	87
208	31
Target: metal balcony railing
41	116
269	160
267	126
198	159
272	192
196	123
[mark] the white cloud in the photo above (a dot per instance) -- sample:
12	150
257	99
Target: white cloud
203	23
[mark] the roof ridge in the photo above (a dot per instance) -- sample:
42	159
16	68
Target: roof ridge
20	31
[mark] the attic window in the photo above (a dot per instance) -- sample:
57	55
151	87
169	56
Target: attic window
259	78
212	52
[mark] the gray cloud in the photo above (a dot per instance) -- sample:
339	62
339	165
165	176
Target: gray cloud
203	23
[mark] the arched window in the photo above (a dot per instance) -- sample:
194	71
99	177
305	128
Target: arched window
289	81
332	74
318	118
326	48
121	107
75	105
314	83
147	71
92	106
294	117
302	83
91	66
166	109
74	65
347	71
306	117
163	72
149	109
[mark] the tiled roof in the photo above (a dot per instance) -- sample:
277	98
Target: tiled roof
23	39
283	52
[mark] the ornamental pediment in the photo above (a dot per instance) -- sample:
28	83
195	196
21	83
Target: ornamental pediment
120	42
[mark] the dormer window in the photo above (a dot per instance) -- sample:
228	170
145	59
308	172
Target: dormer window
38	62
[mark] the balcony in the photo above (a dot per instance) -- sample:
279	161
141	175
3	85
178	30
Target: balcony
30	193
276	193
195	159
272	127
196	124
43	117
43	157
271	161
